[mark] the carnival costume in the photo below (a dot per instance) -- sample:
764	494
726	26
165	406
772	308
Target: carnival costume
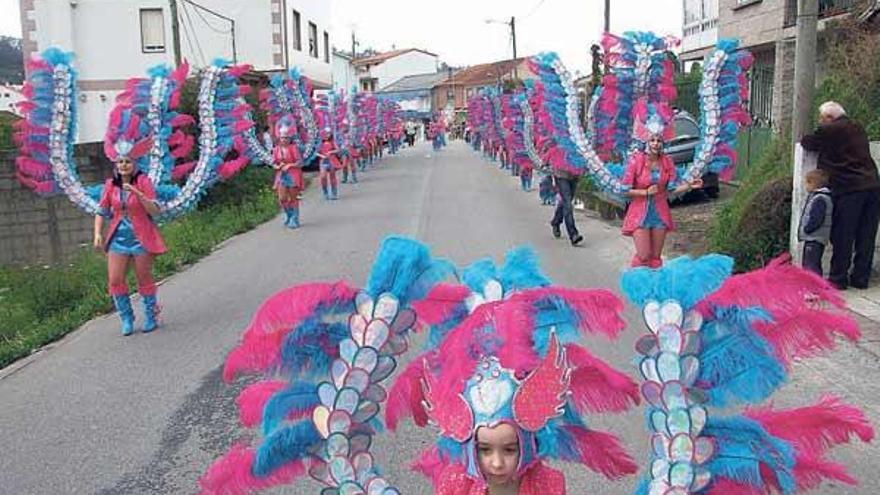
324	351
145	128
329	164
289	175
503	348
717	340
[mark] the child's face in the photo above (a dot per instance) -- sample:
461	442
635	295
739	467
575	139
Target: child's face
809	185
498	453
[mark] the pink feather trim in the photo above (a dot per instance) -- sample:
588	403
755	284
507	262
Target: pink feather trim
231	474
431	465
182	170
602	452
438	305
813	430
596	386
405	397
276	318
252	400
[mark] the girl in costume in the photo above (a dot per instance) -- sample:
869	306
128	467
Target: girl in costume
651	175
508	384
287	163
329	164
129	201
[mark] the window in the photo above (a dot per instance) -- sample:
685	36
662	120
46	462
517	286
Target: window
313	40
152	31
297	32
326	47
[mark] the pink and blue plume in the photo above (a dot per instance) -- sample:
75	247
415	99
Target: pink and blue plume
406	269
233	474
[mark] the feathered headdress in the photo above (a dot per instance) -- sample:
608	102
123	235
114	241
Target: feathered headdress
515	359
126	137
652	120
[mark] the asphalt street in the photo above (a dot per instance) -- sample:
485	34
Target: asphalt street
99	413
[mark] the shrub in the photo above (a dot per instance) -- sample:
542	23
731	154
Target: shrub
762	230
726	233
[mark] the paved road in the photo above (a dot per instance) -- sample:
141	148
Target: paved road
97	413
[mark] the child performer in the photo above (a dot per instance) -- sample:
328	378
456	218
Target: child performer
288	172
329	164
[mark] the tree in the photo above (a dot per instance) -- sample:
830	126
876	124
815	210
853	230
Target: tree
11	61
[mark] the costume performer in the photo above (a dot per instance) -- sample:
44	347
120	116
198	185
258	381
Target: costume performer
129	201
288	183
145	138
508	385
329	163
650	174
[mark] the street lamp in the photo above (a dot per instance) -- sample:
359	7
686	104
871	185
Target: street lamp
512	25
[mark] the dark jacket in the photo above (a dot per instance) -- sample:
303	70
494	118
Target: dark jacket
845	154
816	218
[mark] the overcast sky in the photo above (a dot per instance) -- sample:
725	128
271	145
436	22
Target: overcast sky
456	29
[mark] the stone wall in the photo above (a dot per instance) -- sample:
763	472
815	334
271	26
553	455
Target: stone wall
34	229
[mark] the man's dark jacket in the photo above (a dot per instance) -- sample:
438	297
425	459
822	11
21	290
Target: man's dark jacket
845	154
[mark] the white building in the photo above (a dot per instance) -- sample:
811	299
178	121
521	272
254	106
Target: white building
344	75
10	94
699	29
115	40
377	71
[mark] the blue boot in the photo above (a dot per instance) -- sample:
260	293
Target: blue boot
294	218
126	314
345	176
354	177
333	192
151	313
325	191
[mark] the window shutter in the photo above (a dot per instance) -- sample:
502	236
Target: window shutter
152	30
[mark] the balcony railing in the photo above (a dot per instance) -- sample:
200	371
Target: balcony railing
827	8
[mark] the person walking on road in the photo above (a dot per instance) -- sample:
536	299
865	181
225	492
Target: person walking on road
844	153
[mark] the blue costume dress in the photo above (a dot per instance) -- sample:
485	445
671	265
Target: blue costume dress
652	219
123	240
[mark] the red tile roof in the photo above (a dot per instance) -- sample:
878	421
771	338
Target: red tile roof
381	57
482	74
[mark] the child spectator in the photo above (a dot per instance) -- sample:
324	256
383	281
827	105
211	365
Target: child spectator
815	226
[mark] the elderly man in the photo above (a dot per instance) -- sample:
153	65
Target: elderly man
845	155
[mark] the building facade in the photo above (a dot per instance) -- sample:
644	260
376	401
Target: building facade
10	95
699	29
767	28
414	94
344	75
454	91
116	40
377	71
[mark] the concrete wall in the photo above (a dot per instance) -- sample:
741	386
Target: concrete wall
40	230
318	12
754	24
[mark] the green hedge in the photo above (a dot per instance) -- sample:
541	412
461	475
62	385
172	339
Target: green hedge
41	304
742	228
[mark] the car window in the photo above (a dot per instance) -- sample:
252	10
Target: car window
685	127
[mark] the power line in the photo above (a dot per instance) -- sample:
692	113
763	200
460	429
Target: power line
194	35
534	9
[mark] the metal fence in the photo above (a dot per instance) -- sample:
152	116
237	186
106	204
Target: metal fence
827	8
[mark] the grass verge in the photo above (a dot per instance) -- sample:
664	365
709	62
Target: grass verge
41	304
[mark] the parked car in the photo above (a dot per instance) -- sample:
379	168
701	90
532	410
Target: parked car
682	149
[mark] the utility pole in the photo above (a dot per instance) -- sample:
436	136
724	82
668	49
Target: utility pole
353	45
804	68
513	35
175	32
607	16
